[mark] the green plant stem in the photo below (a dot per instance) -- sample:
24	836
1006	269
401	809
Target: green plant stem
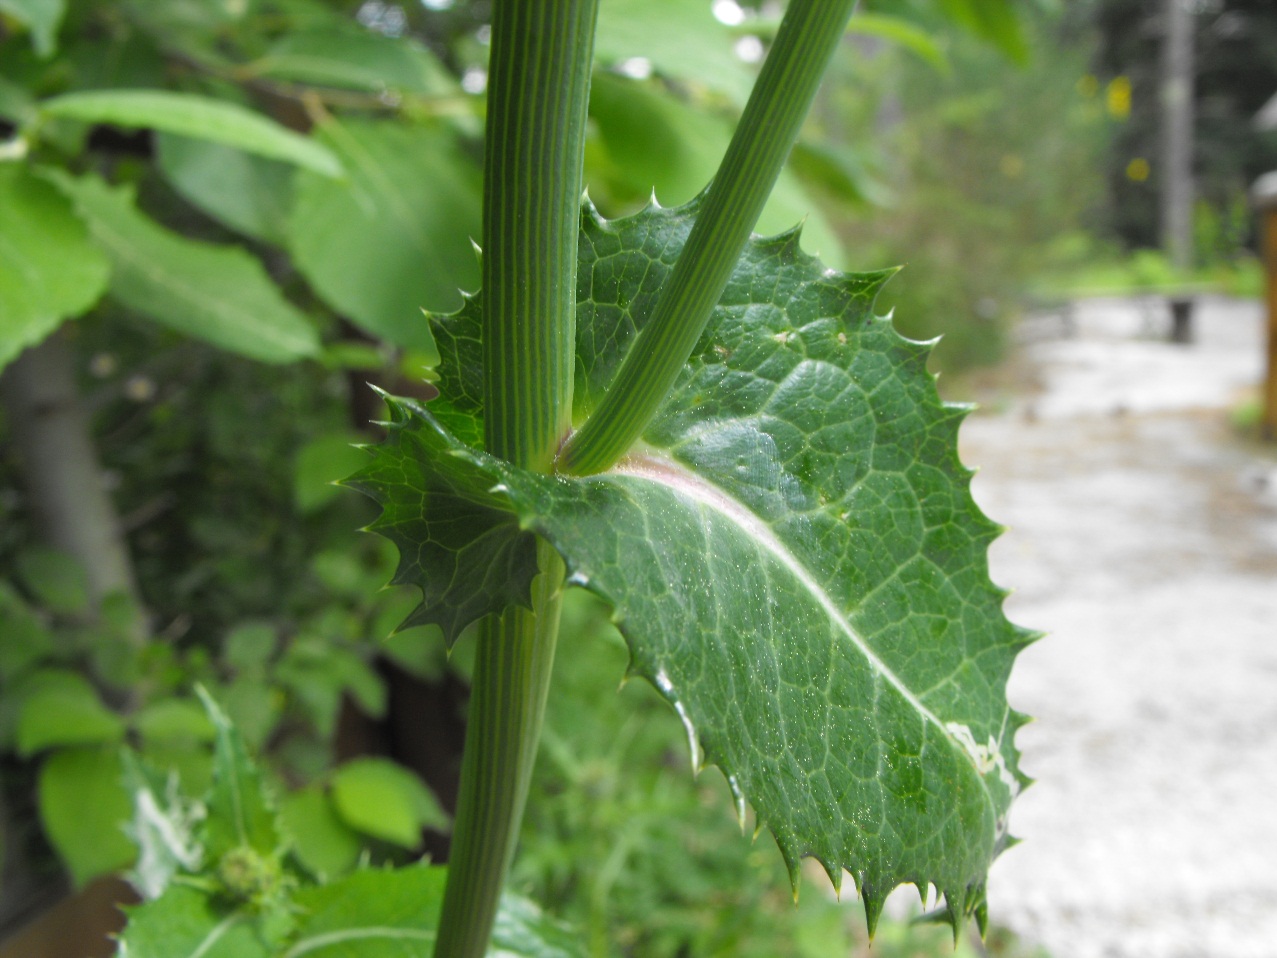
808	36
539	75
512	676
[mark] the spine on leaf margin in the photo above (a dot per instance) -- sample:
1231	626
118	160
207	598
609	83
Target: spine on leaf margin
539	76
778	104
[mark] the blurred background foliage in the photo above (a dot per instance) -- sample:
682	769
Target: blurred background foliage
244	253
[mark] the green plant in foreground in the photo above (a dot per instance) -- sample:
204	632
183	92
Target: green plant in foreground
718	437
764	486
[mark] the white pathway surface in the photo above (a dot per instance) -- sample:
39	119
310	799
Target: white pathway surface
1144	539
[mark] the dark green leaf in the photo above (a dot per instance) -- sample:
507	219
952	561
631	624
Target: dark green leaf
793	556
26	639
321	464
477	561
56	579
49	269
220	294
201	117
84	807
392	237
385	800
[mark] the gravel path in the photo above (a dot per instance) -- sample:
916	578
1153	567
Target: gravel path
1144	540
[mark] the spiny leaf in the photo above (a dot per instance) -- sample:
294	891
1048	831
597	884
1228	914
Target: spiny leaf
241	812
792	554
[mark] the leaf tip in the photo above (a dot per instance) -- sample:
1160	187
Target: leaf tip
873	901
835	873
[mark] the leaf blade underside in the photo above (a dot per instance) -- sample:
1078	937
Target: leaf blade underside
793	555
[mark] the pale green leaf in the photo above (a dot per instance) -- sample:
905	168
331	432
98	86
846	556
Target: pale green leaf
385	800
392	237
220	294
41	17
49	269
243	192
351	57
376	914
679	39
168	719
84	806
188	923
65	714
249	646
318	837
201	117
658	145
792	554
903	33
997	21
319	467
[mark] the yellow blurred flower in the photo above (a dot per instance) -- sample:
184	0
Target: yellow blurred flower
1118	97
1137	170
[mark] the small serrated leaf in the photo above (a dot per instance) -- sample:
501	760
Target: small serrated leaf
240	811
476	561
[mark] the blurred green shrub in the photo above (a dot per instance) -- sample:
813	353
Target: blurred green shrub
987	164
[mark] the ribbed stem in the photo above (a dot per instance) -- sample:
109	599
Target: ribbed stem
538	91
808	36
511	678
539	81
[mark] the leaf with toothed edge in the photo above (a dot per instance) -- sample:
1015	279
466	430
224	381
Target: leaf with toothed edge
792	554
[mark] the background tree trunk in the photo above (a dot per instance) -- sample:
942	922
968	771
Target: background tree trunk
68	498
1177	132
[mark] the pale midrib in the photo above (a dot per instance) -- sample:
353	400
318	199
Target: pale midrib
234	317
316	942
216	934
672	476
